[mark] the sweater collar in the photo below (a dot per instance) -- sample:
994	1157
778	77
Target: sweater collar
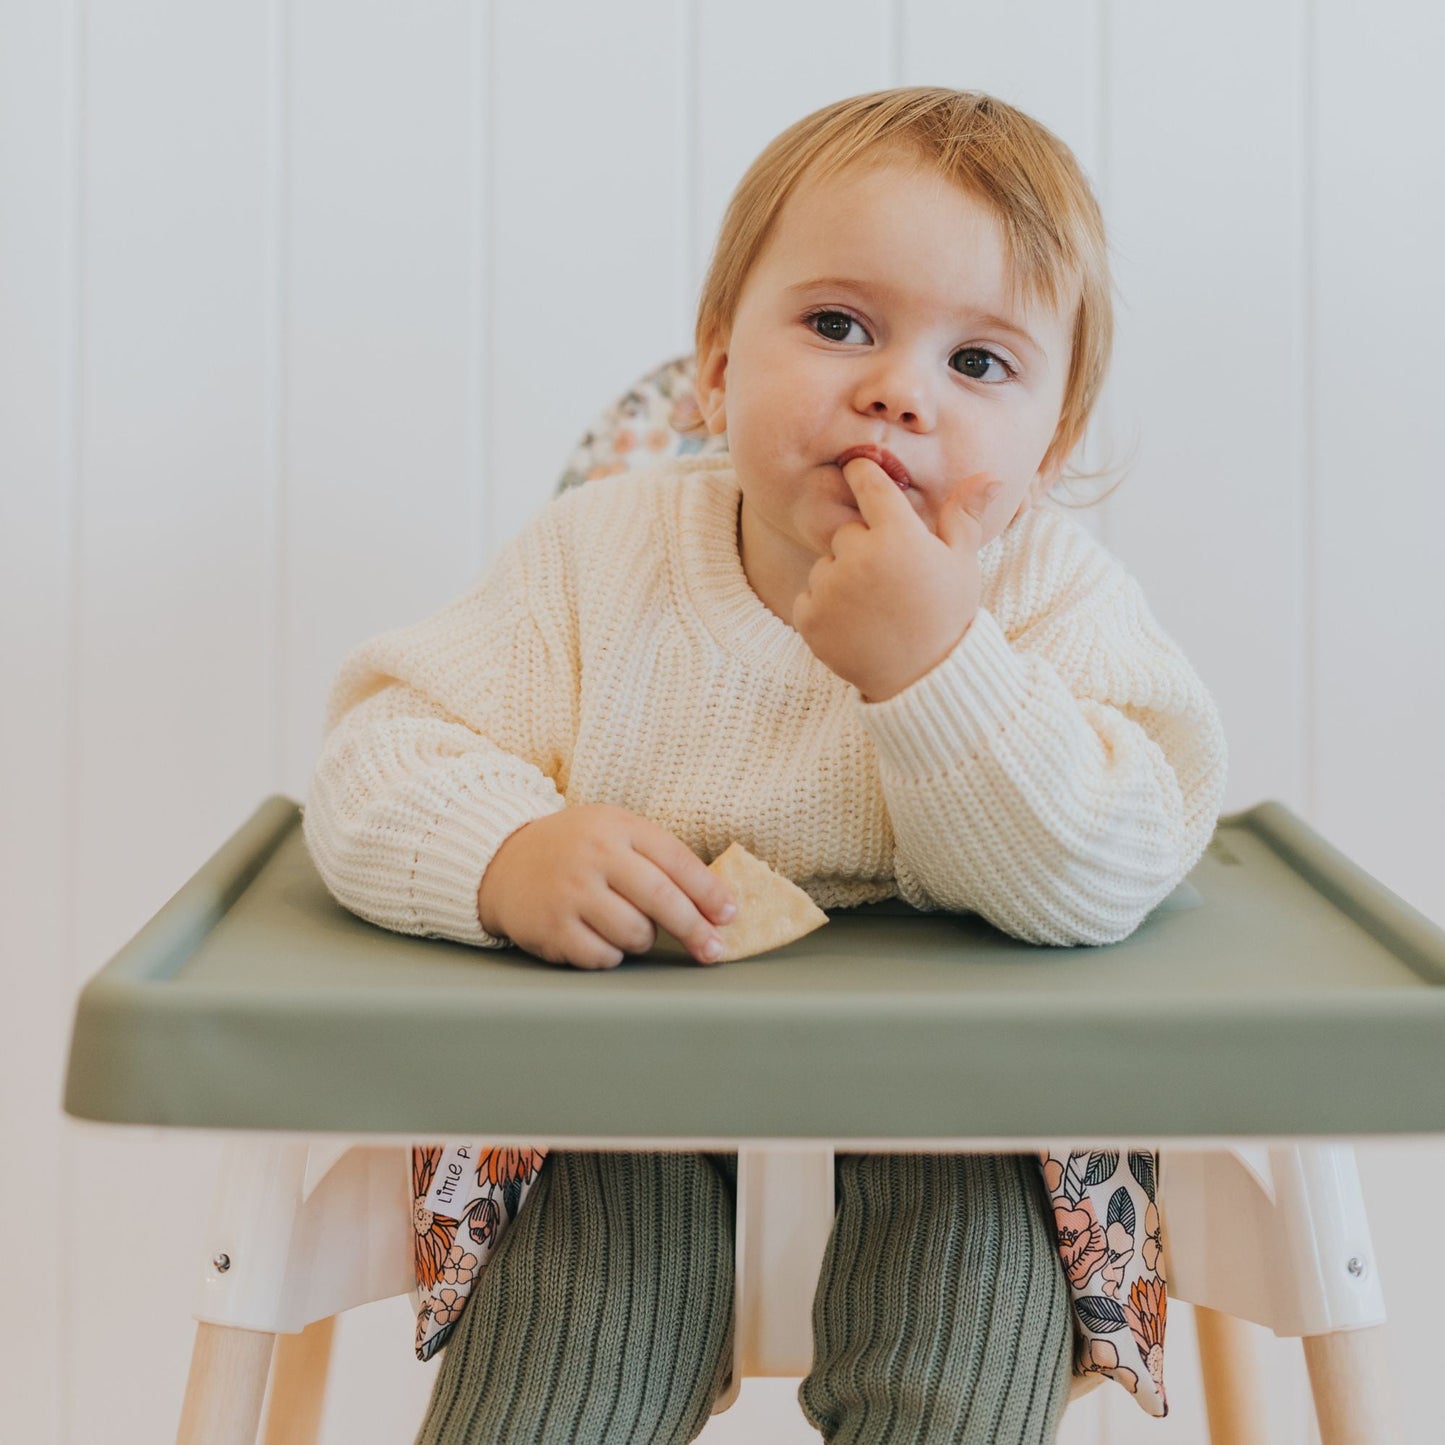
739	621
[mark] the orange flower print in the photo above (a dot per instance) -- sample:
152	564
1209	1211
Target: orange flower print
1145	1309
623	440
657	439
1153	1250
606	469
446	1306
503	1166
424	1161
432	1234
1081	1241
1121	1250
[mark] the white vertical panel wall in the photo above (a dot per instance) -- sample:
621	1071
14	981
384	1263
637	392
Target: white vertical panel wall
172	689
379	246
590	108
1374	528
1206	177
37	551
301	308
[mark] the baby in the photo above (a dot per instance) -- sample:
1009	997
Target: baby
865	646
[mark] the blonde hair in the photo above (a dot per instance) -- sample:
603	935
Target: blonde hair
1052	228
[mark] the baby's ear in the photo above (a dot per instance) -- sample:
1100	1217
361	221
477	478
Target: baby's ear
711	387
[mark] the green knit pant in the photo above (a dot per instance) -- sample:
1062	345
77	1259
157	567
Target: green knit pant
606	1313
942	1311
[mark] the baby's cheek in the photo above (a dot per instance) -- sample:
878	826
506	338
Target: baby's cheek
1005	510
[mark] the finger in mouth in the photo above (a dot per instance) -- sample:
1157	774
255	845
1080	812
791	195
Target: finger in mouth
880	457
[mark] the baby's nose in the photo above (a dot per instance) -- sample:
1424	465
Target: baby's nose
895	392
881	408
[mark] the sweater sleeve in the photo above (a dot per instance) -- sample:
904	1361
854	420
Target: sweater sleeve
1061	784
442	740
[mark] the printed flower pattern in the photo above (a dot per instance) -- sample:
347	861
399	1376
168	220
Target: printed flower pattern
1148	1303
1114	1267
459	1267
1153	1248
1081	1241
1101	1358
507	1166
483	1218
1120	1246
658	418
432	1234
451	1253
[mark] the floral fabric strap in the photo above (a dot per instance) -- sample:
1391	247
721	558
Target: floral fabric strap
463	1197
1106	1217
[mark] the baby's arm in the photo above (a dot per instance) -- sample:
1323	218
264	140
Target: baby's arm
442	739
1060	784
443	771
406	808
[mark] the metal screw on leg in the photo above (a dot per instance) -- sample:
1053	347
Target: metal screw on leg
222	1263
1357	1266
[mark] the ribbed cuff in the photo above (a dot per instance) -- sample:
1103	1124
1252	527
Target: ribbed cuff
971	697
452	857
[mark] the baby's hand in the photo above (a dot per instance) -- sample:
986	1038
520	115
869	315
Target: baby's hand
589	884
892	600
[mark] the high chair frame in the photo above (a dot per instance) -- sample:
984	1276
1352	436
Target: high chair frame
302	1230
253	1003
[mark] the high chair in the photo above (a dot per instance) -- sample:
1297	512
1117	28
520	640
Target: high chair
253	1002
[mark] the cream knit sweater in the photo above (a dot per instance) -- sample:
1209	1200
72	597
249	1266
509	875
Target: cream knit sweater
1059	772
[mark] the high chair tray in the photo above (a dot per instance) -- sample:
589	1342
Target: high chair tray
1282	991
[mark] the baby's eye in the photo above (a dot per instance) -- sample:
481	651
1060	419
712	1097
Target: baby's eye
973	361
837	326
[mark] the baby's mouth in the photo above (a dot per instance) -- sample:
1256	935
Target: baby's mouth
881	457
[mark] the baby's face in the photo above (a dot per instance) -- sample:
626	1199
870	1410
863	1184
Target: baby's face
879	315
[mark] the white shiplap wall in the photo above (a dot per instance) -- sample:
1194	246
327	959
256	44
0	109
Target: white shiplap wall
301	306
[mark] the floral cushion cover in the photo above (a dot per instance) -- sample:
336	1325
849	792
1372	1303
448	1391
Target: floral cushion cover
1105	1203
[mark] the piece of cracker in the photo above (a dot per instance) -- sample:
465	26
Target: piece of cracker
772	910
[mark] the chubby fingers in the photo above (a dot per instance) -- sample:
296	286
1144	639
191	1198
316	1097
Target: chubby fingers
669	884
879	500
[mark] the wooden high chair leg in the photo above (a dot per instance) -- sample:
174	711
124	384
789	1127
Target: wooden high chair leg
225	1387
298	1385
1350	1381
1233	1391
